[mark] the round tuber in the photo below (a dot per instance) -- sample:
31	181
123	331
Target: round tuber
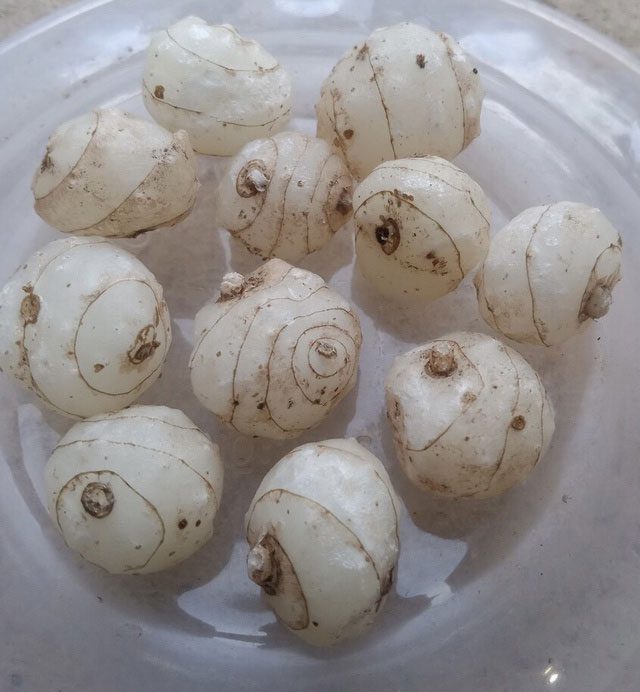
405	91
323	536
549	272
135	491
275	352
285	196
223	89
470	416
84	325
108	173
421	226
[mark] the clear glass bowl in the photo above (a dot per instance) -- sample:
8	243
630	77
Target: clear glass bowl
539	589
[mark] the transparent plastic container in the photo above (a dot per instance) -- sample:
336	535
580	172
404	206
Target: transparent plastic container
537	590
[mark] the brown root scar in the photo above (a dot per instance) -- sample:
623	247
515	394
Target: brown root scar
47	161
270	567
98	500
252	179
144	346
344	202
30	307
441	361
326	350
388	235
518	423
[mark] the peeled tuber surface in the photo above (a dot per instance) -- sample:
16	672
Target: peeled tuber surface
276	352
470	416
108	173
84	325
549	272
222	88
285	196
404	91
135	491
422	225
323	536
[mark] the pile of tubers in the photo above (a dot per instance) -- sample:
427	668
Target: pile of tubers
135	489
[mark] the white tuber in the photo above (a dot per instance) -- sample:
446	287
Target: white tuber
421	226
223	89
405	91
548	272
285	196
276	352
135	491
323	536
470	416
108	173
83	324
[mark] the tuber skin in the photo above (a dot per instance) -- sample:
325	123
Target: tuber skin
276	352
85	326
470	416
405	91
285	196
323	536
110	174
222	88
549	272
135	491
421	226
